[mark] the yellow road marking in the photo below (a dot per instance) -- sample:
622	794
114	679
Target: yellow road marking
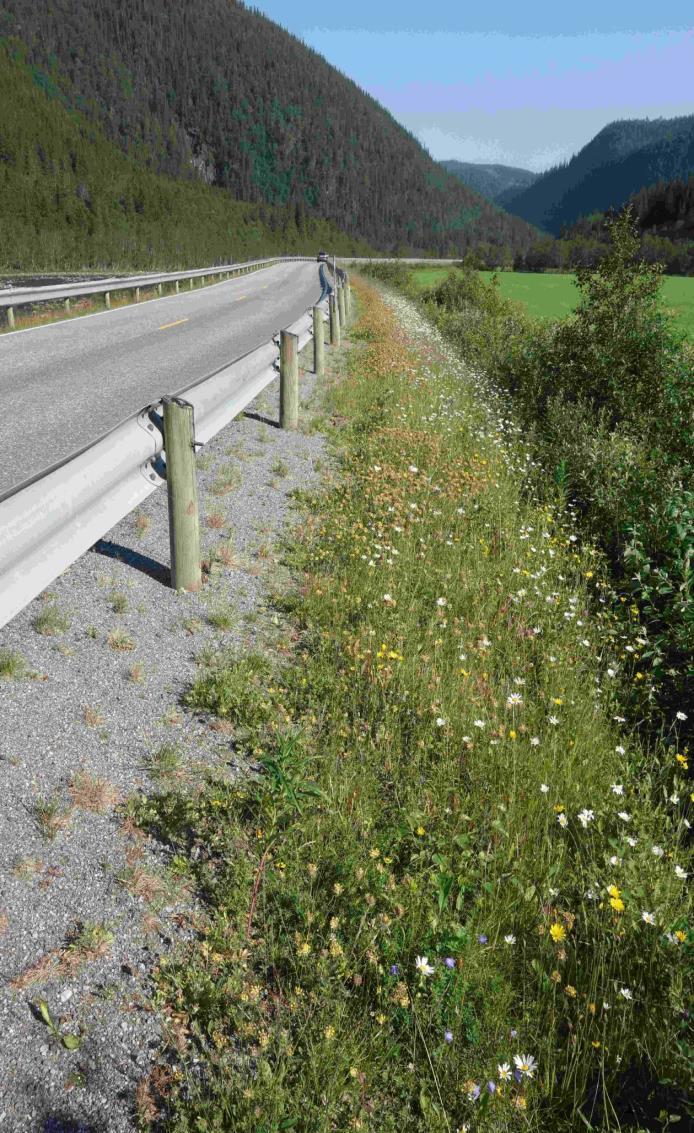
176	324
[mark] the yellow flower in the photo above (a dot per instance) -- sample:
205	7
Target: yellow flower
617	904
375	853
420	831
681	936
614	891
557	932
305	949
596	1044
329	1032
380	1019
570	991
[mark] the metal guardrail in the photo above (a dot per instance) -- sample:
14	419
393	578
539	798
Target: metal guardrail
24	296
50	521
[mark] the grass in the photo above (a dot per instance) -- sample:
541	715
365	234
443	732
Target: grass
454	898
12	665
51	621
50	817
553	296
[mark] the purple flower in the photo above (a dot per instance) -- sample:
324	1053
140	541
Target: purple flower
517	1075
394	969
512	1033
475	1093
491	1086
482	938
449	962
448	1036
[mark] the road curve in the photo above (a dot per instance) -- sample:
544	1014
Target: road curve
65	384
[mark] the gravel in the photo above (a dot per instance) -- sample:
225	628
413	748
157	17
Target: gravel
85	914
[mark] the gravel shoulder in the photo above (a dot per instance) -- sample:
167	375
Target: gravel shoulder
91	677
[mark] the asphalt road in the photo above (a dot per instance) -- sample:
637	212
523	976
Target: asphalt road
65	384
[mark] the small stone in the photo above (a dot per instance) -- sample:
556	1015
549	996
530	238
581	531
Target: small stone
43	1049
65	994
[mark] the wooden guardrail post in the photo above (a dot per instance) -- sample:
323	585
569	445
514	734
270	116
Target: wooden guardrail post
176	288
10	317
67	306
160	288
137	294
341	305
318	343
289	380
182	488
334	321
107	300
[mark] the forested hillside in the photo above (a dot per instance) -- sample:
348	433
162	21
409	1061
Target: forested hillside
619	161
491	180
70	199
215	92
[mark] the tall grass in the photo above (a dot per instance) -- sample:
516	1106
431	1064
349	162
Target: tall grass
454	896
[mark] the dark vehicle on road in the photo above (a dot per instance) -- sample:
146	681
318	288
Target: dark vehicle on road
322	257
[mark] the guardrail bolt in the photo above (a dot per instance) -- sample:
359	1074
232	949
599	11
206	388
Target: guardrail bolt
335	337
10	317
289	380
182	487
318	343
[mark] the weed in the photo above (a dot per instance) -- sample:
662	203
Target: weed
50	817
92	716
165	763
228	480
280	468
222	619
118	602
120	641
12	665
142	523
216	520
88	792
51	621
136	672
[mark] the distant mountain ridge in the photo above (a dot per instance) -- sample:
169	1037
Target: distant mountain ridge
490	180
620	160
213	91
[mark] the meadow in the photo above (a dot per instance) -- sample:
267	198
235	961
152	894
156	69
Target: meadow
454	899
549	296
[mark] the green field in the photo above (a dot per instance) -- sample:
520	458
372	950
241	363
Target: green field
554	296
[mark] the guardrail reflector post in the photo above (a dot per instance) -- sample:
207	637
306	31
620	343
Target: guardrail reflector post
318	343
334	321
182	488
289	380
10	317
177	287
341	306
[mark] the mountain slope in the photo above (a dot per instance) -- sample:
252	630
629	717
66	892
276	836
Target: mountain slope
215	91
620	160
70	199
491	180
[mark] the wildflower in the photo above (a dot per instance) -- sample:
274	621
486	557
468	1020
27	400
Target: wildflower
625	994
375	852
413	468
555	977
562	820
312	869
509	938
570	991
585	817
380	1019
614	891
681	873
624	816
544	788
680	936
472	1091
658	851
478	723
614	860
681	715
491	1088
305	949
648	918
504	1072
633	842
440	722
420	831
617	904
557	932
441	602
515	700
617	789
525	1064
329	1032
449	962
337	888
482	938
423	966
448	1036
620	750
553	720
394	969
535	741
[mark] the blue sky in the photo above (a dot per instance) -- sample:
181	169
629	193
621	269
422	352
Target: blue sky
522	84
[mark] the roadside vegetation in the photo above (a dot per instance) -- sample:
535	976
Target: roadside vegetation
605	398
554	295
454	896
